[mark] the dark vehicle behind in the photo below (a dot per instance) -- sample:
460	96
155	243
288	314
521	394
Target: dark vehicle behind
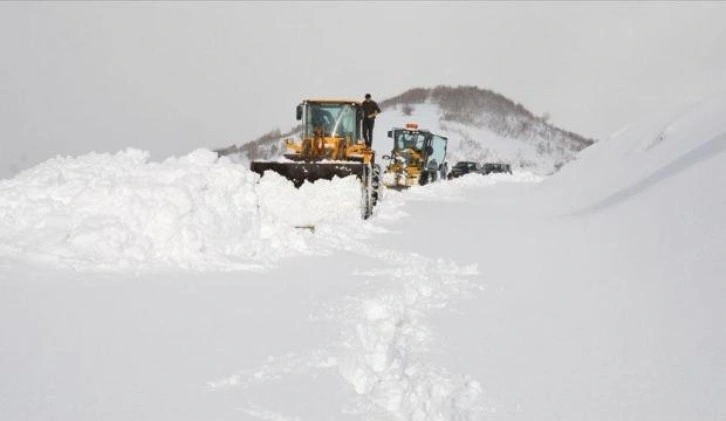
490	167
464	167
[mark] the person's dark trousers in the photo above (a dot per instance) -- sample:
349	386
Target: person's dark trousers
368	130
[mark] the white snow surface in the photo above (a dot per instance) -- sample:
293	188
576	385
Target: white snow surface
120	211
193	289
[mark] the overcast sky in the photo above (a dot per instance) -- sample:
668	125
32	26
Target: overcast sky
171	77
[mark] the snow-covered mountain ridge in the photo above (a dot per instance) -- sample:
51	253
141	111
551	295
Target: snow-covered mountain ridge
481	126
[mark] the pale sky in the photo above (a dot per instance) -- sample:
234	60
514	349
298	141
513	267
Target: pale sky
170	77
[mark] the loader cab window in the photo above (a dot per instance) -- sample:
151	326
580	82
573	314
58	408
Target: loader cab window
321	117
336	120
405	139
438	154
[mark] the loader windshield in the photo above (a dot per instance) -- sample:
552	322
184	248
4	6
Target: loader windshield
406	139
335	119
438	154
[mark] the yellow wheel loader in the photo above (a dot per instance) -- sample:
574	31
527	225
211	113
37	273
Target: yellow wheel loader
330	146
417	157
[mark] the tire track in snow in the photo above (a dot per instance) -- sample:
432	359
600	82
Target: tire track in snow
383	352
386	342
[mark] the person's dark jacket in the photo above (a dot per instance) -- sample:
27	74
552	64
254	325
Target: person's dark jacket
369	108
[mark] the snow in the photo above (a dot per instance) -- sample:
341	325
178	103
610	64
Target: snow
194	289
118	212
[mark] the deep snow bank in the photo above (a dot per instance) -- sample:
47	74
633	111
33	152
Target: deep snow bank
642	156
117	211
121	211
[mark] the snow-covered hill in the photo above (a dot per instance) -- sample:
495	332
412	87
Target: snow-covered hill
182	289
481	126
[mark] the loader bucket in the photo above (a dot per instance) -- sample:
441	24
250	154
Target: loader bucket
299	172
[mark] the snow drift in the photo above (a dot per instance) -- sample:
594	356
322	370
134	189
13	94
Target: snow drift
647	154
120	211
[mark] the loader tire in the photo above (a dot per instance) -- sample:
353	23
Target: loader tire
423	179
366	192
375	183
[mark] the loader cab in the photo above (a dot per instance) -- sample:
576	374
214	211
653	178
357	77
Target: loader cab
335	118
409	139
416	157
430	147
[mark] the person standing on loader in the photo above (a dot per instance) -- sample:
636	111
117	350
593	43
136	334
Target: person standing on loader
370	111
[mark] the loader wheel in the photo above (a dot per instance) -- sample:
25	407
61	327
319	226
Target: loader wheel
366	193
375	183
423	179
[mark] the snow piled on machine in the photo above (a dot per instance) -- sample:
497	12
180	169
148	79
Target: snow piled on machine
120	211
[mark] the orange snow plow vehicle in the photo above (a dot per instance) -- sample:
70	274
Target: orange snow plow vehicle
330	145
416	157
